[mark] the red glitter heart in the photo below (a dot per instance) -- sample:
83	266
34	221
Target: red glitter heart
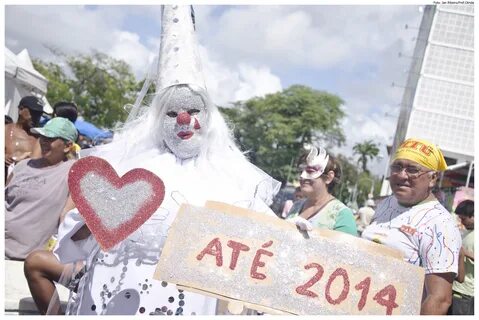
109	237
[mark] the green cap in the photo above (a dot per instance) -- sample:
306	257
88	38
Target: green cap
58	128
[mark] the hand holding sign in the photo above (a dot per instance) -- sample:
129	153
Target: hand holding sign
301	223
266	264
113	207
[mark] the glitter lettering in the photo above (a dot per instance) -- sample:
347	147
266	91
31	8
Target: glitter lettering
364	287
237	247
303	289
344	293
257	263
390	303
213	248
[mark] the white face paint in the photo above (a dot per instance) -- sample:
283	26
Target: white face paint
184	123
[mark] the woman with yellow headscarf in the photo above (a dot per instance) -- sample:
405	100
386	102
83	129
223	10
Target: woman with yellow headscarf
413	221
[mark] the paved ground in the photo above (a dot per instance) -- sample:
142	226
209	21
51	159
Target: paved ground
18	300
17	295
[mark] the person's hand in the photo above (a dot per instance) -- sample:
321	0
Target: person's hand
23	156
302	224
9	160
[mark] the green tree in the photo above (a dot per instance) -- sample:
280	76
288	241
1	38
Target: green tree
275	128
59	88
100	86
367	184
349	176
365	150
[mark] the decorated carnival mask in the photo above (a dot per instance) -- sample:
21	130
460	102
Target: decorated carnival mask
316	162
184	123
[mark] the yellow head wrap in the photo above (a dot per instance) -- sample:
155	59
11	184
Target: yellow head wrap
422	152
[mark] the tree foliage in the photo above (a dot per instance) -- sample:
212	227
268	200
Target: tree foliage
367	183
275	128
365	150
349	176
100	86
59	85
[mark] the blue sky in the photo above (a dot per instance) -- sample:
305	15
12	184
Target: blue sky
247	51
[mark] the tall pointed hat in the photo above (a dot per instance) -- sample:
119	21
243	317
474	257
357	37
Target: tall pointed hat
179	61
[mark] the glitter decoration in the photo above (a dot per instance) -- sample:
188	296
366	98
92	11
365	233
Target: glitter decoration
316	162
184	139
113	207
177	30
342	273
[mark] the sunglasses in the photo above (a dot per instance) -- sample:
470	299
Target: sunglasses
411	171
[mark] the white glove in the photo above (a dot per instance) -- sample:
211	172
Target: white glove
301	223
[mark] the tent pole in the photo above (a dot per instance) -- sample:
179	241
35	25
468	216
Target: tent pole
441	178
469	173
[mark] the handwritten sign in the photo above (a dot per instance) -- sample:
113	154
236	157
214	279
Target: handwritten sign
266	262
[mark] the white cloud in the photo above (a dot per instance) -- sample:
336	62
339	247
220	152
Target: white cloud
241	82
68	28
314	36
127	47
253	50
360	126
79	30
256	82
356	45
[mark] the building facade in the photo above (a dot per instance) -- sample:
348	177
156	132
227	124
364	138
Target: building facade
438	100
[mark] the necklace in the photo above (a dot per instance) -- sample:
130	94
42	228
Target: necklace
309	211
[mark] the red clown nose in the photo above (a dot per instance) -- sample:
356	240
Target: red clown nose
183	118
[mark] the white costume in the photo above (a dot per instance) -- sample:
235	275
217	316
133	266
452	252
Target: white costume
183	139
426	234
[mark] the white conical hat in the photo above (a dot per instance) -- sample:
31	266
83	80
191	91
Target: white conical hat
179	59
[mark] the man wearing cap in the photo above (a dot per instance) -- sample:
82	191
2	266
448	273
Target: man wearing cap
19	142
68	110
413	221
37	190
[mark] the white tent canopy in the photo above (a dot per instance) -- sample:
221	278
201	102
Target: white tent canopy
21	79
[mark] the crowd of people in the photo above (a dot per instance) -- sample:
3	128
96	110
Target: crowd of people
184	139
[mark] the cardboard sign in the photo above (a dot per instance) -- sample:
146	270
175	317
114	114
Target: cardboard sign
269	265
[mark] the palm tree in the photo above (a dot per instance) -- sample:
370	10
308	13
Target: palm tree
365	150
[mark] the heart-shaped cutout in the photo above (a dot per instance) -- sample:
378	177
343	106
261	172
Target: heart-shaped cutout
113	207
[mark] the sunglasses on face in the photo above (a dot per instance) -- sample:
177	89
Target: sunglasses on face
411	171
